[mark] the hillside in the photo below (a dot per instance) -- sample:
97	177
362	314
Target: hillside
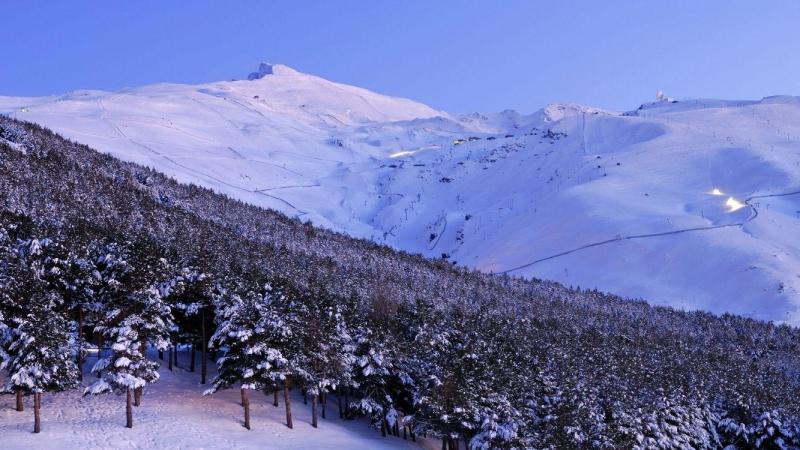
521	362
690	204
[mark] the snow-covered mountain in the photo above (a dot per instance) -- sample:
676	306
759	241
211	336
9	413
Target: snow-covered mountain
694	204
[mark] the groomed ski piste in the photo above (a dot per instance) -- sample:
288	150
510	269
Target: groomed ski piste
175	414
688	203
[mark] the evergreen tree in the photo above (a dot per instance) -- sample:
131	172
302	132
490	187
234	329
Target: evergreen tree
324	358
139	317
36	346
192	296
127	370
253	336
380	339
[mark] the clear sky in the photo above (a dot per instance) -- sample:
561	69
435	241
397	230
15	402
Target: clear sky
459	56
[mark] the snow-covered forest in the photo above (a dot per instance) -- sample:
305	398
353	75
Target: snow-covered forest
100	254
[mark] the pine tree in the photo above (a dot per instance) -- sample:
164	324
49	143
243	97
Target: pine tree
127	370
136	316
192	295
253	335
676	423
379	374
36	346
79	286
112	272
324	358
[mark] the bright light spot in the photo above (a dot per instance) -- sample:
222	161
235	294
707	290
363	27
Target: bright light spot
399	154
734	205
716	191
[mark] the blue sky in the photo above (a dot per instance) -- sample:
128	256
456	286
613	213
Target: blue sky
460	56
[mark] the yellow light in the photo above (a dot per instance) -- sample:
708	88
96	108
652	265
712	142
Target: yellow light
716	191
734	205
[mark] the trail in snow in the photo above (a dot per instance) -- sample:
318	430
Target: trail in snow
752	217
104	117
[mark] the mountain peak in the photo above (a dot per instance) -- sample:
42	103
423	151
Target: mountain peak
266	68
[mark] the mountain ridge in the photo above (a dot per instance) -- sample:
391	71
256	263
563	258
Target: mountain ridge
494	191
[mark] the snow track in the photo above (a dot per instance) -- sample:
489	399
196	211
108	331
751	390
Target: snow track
752	217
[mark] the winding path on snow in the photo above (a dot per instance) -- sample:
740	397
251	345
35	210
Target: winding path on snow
753	215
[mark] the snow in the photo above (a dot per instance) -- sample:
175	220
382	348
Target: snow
175	414
685	203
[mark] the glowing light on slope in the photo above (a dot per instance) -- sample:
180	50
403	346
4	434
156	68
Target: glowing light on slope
399	154
716	191
733	204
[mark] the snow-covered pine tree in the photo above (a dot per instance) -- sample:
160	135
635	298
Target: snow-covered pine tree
676	423
112	272
38	357
192	296
770	430
253	335
439	397
775	430
146	318
380	339
4	261
325	346
78	285
132	321
12	276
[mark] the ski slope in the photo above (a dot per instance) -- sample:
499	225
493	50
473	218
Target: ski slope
691	203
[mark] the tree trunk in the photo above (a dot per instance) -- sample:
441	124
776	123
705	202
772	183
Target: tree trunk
275	397
203	347
128	411
100	343
176	356
191	361
346	400
161	355
396	429
405	429
37	405
339	400
314	411
246	405
288	403
169	358
98	338
323	398
137	397
383	428
79	356
20	405
243	395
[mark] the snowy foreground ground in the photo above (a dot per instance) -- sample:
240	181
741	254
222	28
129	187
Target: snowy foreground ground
174	414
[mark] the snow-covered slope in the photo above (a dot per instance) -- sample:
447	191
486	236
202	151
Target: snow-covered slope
690	203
